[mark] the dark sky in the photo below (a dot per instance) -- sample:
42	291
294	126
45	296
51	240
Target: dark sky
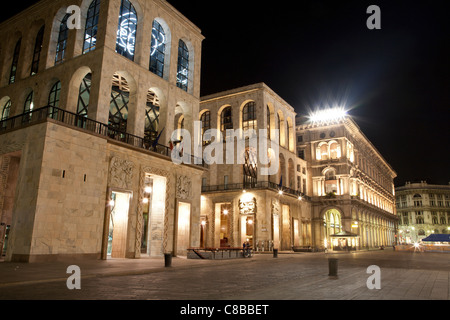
394	80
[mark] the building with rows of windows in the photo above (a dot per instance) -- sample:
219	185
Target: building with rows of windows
93	111
86	115
423	209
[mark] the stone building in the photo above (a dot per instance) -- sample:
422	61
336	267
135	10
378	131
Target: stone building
423	209
239	202
352	188
85	117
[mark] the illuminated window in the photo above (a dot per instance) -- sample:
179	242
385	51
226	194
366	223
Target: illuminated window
324	152
206	125
183	66
90	33
37	51
249	117
15	61
62	40
152	116
419	218
268	123
127	29
158	49
250	169
53	99
28	107
118	112
335	150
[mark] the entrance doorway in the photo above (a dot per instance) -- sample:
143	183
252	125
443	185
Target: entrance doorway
184	228
248	230
118	225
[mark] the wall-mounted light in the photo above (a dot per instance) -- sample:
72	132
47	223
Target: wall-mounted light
148	190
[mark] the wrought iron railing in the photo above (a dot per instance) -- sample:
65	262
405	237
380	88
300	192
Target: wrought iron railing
81	122
258	185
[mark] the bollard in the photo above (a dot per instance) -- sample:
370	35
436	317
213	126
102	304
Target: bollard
168	260
333	267
275	253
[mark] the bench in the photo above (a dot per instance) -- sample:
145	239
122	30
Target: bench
214	253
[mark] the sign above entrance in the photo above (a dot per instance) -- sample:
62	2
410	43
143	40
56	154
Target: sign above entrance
247	207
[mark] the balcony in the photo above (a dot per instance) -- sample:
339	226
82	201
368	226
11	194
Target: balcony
90	126
255	186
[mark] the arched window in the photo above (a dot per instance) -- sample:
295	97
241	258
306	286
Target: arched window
127	29
226	121
120	96
183	66
158	49
335	150
90	32
54	96
206	125
249	117
62	40
37	51
332	225
152	116
268	123
84	96
28	107
279	128
323	151
250	168
15	62
5	110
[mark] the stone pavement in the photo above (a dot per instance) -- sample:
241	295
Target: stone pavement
303	276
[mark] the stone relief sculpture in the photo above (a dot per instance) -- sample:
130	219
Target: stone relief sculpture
121	173
184	188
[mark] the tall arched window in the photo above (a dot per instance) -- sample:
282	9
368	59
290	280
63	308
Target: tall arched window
335	150
84	96
15	62
127	29
53	99
152	116
158	49
5	110
268	123
183	66
62	40
250	168
37	51
279	128
90	32
28	107
226	121
249	117
206	125
120	97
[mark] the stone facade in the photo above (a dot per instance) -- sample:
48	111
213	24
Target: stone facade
271	211
422	209
352	185
72	184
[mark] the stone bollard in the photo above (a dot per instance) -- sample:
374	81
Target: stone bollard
275	253
168	260
333	267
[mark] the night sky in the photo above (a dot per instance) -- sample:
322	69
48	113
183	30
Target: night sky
315	53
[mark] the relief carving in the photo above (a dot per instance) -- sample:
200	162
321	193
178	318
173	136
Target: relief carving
121	173
184	188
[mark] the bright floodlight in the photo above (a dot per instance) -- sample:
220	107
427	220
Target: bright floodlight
328	115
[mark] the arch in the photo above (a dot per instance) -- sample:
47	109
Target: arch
152	116
205	119
15	61
291	174
282	176
184	65
332	224
270	119
335	150
225	120
160	48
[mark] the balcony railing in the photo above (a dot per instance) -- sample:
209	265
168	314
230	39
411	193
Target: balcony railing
252	186
81	122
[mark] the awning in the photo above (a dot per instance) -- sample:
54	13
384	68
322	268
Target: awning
437	238
344	234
